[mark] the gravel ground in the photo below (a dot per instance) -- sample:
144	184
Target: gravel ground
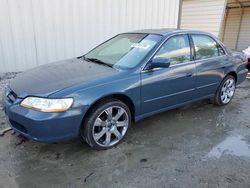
199	145
4	80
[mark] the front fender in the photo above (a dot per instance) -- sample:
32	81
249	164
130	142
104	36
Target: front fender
86	97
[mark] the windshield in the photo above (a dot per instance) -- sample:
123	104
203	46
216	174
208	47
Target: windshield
124	50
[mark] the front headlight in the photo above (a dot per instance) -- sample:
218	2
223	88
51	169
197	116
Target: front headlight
47	105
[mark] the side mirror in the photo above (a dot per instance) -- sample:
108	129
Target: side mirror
159	62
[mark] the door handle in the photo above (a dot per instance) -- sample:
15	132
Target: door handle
189	74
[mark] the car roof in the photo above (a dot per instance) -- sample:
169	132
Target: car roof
167	31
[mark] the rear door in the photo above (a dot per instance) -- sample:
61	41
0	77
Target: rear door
163	88
211	61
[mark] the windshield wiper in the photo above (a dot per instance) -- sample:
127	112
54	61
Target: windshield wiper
97	61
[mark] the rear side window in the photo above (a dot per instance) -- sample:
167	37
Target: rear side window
206	47
176	49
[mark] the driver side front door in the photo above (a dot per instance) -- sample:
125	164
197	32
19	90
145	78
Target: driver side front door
165	88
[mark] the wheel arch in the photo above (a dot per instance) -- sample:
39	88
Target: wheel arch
232	73
118	96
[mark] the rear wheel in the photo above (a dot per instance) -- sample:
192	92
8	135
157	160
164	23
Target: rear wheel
107	124
225	91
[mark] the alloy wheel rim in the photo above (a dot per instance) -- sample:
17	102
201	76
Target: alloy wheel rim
110	126
227	91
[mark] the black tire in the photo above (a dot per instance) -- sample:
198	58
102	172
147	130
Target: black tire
217	98
88	129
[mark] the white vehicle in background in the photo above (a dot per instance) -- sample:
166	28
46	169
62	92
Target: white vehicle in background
247	55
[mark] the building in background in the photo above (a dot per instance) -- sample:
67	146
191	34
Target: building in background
35	32
227	19
206	15
235	30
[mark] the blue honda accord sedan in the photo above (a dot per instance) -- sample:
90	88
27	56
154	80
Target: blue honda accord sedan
129	77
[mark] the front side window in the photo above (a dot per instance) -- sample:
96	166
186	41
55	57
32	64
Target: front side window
206	47
125	50
176	49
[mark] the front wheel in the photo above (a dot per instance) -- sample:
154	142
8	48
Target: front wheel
107	124
226	91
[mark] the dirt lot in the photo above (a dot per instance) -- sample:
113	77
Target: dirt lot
199	145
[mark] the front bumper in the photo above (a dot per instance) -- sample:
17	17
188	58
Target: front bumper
43	126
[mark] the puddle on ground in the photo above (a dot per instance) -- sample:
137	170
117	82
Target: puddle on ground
234	145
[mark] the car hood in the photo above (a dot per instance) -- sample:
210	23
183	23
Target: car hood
48	79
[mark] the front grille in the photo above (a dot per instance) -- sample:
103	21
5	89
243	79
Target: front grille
11	96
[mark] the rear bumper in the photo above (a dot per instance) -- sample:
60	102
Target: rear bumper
44	127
